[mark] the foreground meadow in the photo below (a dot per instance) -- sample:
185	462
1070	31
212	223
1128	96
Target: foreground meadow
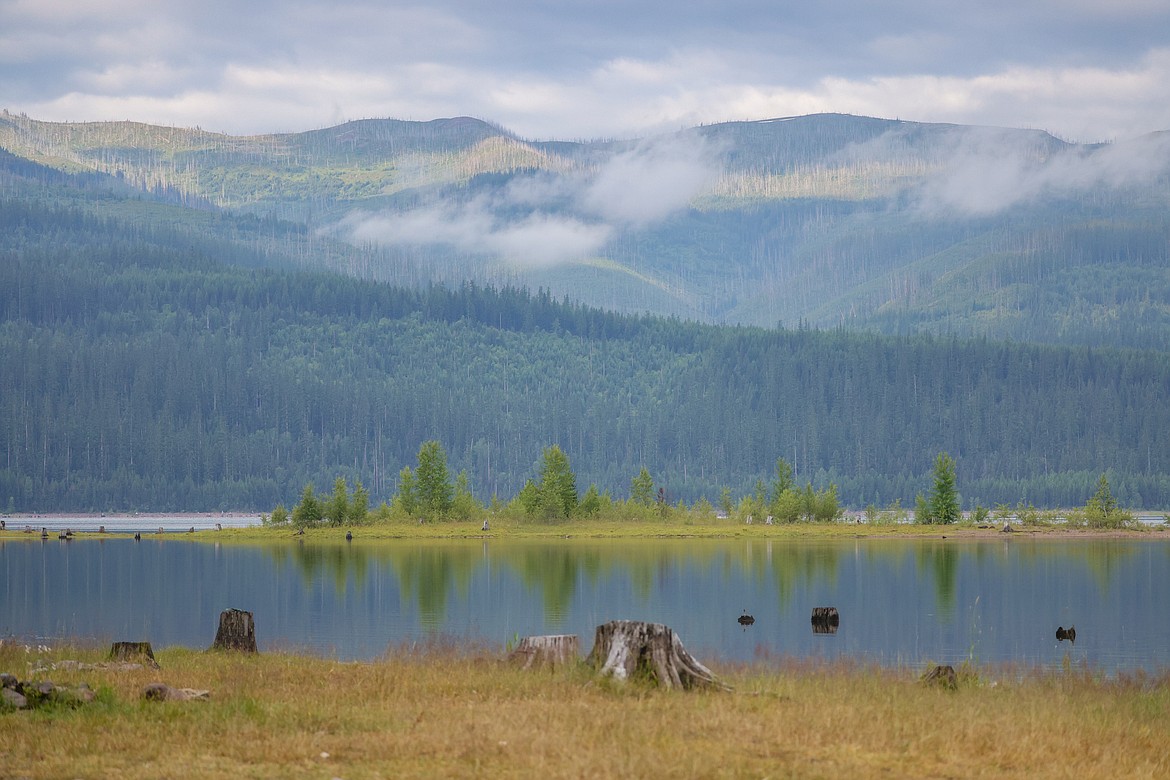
427	712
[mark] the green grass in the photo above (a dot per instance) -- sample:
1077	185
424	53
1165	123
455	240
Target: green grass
467	713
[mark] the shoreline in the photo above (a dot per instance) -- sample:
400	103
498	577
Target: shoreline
247	527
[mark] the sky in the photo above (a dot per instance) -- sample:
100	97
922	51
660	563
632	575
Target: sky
1084	70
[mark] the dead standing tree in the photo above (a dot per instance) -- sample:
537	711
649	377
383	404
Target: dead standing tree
625	648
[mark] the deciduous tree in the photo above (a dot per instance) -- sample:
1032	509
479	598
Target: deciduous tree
433	481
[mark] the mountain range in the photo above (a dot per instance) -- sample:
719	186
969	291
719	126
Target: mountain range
826	220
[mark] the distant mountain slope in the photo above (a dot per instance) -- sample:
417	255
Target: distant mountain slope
151	361
830	220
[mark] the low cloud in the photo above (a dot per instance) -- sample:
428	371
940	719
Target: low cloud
652	180
543	220
988	171
534	241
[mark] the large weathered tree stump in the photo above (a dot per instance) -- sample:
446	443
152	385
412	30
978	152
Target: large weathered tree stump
236	631
629	648
546	651
133	652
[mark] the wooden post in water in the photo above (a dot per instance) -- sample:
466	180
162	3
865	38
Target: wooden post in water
236	631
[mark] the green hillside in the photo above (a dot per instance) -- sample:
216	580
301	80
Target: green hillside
159	356
830	220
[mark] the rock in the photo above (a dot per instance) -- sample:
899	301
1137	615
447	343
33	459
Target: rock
11	698
164	692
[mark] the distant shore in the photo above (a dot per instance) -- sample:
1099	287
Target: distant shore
245	526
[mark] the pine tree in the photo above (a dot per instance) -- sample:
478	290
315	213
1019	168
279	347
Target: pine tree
464	506
1101	511
642	488
359	505
558	484
944	498
337	509
307	513
590	502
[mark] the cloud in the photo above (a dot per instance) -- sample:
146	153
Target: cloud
652	180
1082	69
987	171
537	240
542	220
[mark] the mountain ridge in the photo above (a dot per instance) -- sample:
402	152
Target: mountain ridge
831	219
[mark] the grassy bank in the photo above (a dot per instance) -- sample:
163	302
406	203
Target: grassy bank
437	712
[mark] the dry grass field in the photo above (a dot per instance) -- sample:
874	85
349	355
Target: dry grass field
444	712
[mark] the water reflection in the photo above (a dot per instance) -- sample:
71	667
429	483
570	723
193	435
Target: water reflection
900	601
940	561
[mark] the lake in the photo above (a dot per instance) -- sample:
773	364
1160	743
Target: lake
901	602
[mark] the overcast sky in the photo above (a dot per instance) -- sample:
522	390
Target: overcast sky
1085	70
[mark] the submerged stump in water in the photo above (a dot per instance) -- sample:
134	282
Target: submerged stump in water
236	631
825	620
626	648
545	651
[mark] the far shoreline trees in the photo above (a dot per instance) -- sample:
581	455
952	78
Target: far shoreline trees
427	494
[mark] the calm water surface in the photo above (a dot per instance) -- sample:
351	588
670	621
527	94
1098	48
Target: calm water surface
901	602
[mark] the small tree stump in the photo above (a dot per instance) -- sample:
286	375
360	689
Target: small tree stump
546	651
625	648
133	652
236	631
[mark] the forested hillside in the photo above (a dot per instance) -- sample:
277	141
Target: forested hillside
834	221
158	359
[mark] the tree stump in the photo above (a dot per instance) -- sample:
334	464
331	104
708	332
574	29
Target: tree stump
236	631
942	677
133	652
825	620
546	651
627	648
